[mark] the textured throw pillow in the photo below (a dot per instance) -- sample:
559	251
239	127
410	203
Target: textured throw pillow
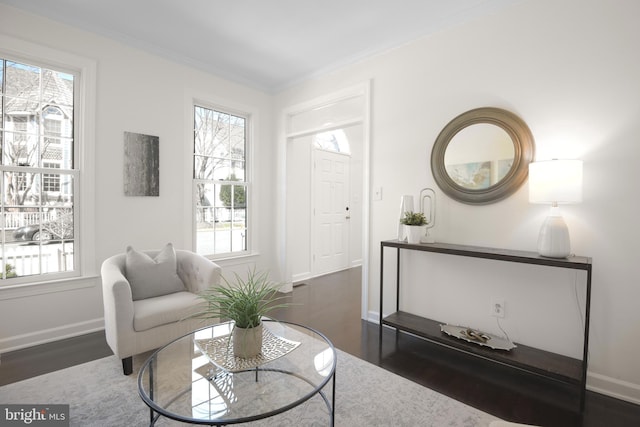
152	277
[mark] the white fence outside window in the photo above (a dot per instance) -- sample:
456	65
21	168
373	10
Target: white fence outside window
29	260
13	220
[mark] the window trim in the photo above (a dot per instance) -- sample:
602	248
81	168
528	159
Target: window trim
249	115
84	71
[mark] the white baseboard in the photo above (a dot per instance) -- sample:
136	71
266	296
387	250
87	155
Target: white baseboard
597	383
286	288
301	276
49	335
612	387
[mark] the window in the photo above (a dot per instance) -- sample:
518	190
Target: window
51	182
37	173
220	185
333	140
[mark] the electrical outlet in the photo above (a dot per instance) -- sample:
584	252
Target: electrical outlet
497	307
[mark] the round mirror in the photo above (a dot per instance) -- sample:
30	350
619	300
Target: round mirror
482	156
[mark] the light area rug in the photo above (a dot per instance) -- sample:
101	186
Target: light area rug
366	395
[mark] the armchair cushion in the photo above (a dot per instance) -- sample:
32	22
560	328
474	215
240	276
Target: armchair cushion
152	277
165	309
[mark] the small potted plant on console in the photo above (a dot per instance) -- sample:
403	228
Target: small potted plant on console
415	226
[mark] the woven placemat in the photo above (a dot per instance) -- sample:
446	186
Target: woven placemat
219	351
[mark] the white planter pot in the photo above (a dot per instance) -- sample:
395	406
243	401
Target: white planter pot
415	233
247	343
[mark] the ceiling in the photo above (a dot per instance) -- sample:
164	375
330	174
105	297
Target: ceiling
266	44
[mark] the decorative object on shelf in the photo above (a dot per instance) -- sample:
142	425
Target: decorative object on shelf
220	353
245	302
406	205
482	156
555	182
428	198
478	337
415	225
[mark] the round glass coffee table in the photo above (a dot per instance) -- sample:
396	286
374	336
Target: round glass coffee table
195	379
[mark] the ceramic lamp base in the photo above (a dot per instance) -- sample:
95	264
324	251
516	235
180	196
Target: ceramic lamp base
553	240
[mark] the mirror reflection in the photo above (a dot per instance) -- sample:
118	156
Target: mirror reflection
479	156
482	156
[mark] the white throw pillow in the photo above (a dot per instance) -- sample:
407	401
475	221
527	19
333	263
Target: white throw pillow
152	277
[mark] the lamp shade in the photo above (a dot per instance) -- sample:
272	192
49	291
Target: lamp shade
555	181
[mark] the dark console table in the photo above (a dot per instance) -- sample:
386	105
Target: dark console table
547	364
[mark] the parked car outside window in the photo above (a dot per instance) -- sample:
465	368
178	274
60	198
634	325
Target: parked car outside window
59	229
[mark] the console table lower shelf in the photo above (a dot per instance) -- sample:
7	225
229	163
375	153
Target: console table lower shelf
529	359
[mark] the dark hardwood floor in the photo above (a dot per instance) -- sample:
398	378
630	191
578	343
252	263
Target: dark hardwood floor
331	304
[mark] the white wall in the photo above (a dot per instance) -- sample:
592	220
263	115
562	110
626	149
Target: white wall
570	70
136	92
298	186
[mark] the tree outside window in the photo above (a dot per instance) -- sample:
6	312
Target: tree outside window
37	173
220	181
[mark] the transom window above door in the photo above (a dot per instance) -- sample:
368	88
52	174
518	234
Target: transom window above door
333	140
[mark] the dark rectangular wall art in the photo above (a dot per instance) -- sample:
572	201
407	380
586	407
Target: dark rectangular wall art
141	165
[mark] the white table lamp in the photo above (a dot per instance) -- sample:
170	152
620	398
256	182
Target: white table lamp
555	182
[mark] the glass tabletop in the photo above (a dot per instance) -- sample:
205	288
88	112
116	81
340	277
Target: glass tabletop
183	381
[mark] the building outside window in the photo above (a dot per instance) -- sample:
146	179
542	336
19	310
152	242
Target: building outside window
51	181
37	174
220	182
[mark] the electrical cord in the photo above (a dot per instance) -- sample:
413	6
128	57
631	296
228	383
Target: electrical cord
575	289
503	331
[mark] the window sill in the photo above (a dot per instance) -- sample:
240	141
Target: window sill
61	285
233	259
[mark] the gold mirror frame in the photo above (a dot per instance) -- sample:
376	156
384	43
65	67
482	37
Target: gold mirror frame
523	146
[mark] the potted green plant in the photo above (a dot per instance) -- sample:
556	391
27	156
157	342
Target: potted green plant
415	225
245	302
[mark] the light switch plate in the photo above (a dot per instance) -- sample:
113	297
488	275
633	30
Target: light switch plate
377	194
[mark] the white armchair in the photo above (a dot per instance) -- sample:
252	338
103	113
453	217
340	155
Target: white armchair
136	322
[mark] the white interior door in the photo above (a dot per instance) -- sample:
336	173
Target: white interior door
331	183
